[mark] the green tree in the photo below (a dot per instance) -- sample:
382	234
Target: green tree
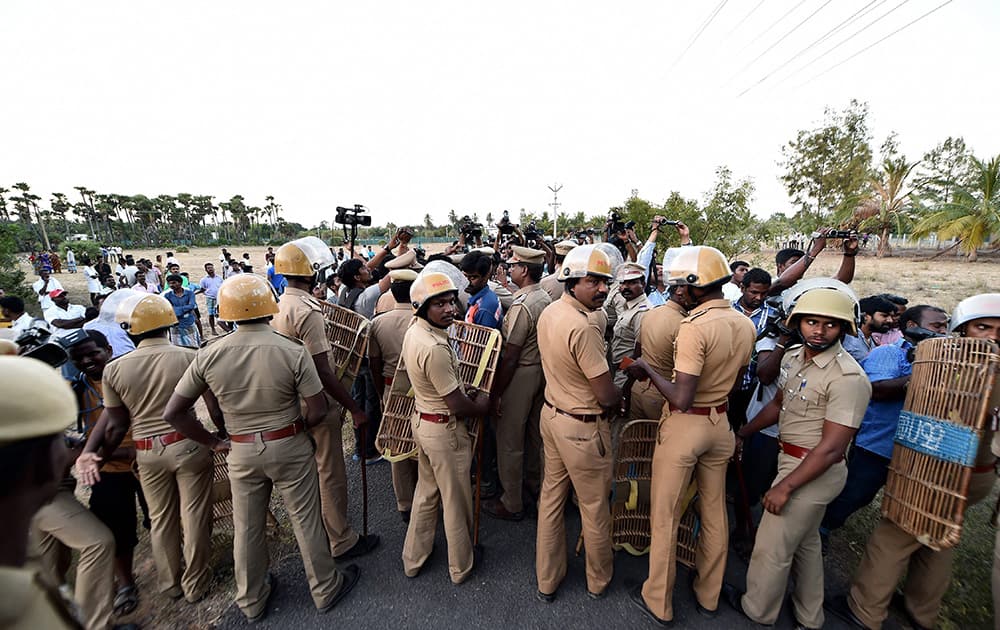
11	276
889	208
30	212
973	214
726	220
943	168
829	167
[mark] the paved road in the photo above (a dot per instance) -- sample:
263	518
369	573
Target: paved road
499	594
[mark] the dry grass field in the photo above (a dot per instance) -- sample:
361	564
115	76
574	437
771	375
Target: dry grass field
942	282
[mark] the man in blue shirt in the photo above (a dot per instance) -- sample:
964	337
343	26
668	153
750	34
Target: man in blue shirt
484	305
888	368
276	279
185	333
877	314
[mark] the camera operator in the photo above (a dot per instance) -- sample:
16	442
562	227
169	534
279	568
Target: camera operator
657	289
792	263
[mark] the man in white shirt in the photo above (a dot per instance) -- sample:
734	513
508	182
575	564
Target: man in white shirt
45	285
733	290
130	270
62	316
172	260
12	308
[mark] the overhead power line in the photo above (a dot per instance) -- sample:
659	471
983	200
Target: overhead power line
780	39
701	30
872	45
844	41
768	29
745	17
830	33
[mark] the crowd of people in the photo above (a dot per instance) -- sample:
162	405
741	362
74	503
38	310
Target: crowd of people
794	383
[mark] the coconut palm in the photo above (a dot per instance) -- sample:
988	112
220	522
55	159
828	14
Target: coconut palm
973	214
889	208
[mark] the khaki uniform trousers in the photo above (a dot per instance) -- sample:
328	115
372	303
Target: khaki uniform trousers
699	445
445	459
65	521
177	482
333	478
287	464
519	442
789	542
891	552
577	455
646	402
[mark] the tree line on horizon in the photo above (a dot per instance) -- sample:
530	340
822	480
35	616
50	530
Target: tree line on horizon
831	174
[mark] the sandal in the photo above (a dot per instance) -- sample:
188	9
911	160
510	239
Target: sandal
126	600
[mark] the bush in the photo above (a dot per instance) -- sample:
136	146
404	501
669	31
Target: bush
90	249
11	276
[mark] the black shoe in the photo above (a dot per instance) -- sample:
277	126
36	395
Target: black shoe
548	598
351	574
734	597
899	603
600	595
497	509
704	612
405	515
839	607
364	545
271	581
636	596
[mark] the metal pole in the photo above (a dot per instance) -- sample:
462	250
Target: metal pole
555	208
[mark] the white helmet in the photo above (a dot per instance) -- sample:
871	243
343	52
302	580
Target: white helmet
586	260
975	307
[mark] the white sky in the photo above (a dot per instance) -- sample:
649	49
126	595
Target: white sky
415	107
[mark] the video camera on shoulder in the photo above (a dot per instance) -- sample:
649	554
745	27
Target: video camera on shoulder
470	228
616	225
37	342
505	226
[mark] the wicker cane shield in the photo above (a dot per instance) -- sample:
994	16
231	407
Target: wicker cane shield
940	429
478	350
630	503
348	335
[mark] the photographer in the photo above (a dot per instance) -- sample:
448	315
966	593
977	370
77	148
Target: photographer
792	263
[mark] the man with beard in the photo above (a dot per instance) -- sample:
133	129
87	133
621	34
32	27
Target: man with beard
822	395
712	348
877	316
517	393
444	449
631	309
576	435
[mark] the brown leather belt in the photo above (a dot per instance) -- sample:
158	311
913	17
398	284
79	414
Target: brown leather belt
388	380
702	411
436	418
582	417
798	452
269	436
147	444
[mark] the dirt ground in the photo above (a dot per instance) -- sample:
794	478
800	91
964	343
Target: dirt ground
941	282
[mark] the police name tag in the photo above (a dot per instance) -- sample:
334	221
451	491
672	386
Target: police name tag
938	438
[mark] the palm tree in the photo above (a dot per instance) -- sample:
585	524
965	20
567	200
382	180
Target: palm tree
973	214
889	208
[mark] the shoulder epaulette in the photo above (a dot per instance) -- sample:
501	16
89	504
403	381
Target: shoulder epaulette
207	342
280	334
311	302
520	299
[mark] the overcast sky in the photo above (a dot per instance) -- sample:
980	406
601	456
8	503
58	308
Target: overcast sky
416	107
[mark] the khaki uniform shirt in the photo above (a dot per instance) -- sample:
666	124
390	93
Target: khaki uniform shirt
431	365
143	380
28	604
386	339
300	316
571	342
626	331
551	285
520	325
503	294
657	336
713	343
386	302
830	386
257	374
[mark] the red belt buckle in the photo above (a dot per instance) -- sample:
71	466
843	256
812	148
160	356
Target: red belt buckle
436	418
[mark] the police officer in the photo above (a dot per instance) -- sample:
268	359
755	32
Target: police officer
33	457
656	346
550	283
632	306
386	302
713	346
444	448
518	388
175	473
576	436
270	447
300	316
822	396
385	344
891	551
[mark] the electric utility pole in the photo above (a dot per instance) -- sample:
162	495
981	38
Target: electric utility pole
555	208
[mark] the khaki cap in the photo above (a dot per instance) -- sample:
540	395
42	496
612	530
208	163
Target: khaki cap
402	275
489	251
407	260
563	247
631	271
35	400
526	255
